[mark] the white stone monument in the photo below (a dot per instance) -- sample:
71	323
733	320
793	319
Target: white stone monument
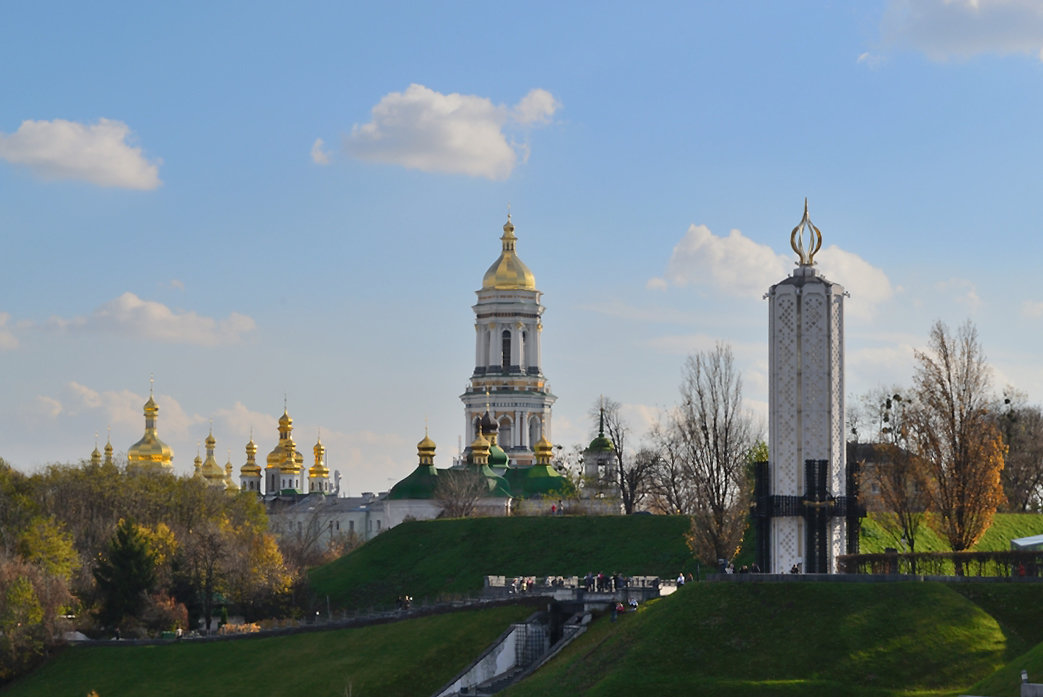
803	500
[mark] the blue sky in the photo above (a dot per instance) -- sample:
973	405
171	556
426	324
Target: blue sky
259	200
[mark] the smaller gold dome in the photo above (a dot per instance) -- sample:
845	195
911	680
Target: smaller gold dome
508	272
544	450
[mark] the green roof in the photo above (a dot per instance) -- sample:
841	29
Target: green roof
542	479
420	484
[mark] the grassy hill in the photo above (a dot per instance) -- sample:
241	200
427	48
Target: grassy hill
1005	527
428	559
413	657
441	558
863	639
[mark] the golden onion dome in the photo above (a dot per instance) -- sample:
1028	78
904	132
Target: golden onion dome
251	467
544	451
150	450
425	450
230	484
95	456
198	462
318	470
508	272
480	449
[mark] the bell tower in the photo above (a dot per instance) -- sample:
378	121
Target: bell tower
508	377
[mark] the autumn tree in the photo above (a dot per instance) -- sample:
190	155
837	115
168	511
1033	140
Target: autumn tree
952	432
715	435
1022	427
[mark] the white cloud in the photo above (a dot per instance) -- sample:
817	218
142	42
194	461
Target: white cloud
177	284
123	408
538	106
869	286
98	153
319	155
961	291
734	265
8	340
47	406
453	133
129	315
1032	308
943	29
737	266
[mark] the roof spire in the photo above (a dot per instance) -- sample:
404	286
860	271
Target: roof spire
806	255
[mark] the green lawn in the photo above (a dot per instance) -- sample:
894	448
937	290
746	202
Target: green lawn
806	639
408	658
428	559
1005	527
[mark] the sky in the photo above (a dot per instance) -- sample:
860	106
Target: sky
259	204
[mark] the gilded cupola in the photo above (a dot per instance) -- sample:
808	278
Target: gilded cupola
212	472
150	451
251	467
425	450
508	272
319	469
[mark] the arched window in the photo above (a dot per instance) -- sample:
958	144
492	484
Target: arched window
506	351
504	439
535	431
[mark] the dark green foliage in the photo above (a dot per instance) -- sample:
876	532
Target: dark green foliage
125	575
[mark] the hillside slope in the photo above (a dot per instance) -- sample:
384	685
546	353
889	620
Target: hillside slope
427	559
869	639
412	658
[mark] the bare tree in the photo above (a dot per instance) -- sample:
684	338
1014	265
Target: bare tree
953	434
459	492
715	435
671	490
1022	428
900	477
631	474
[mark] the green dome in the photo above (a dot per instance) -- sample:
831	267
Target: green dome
420	484
497	457
499	487
542	479
601	444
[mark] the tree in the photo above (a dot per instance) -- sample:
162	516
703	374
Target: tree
953	434
631	471
459	491
125	575
900	477
1022	428
715	436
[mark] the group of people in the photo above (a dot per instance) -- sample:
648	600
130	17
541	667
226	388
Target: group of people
605	583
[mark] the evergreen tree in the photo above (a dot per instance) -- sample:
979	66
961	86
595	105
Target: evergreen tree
126	574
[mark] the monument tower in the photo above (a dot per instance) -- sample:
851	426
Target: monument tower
805	494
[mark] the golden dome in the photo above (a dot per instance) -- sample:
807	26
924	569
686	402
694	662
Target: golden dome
251	467
318	470
425	450
284	455
95	456
544	450
150	450
508	272
211	471
230	484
